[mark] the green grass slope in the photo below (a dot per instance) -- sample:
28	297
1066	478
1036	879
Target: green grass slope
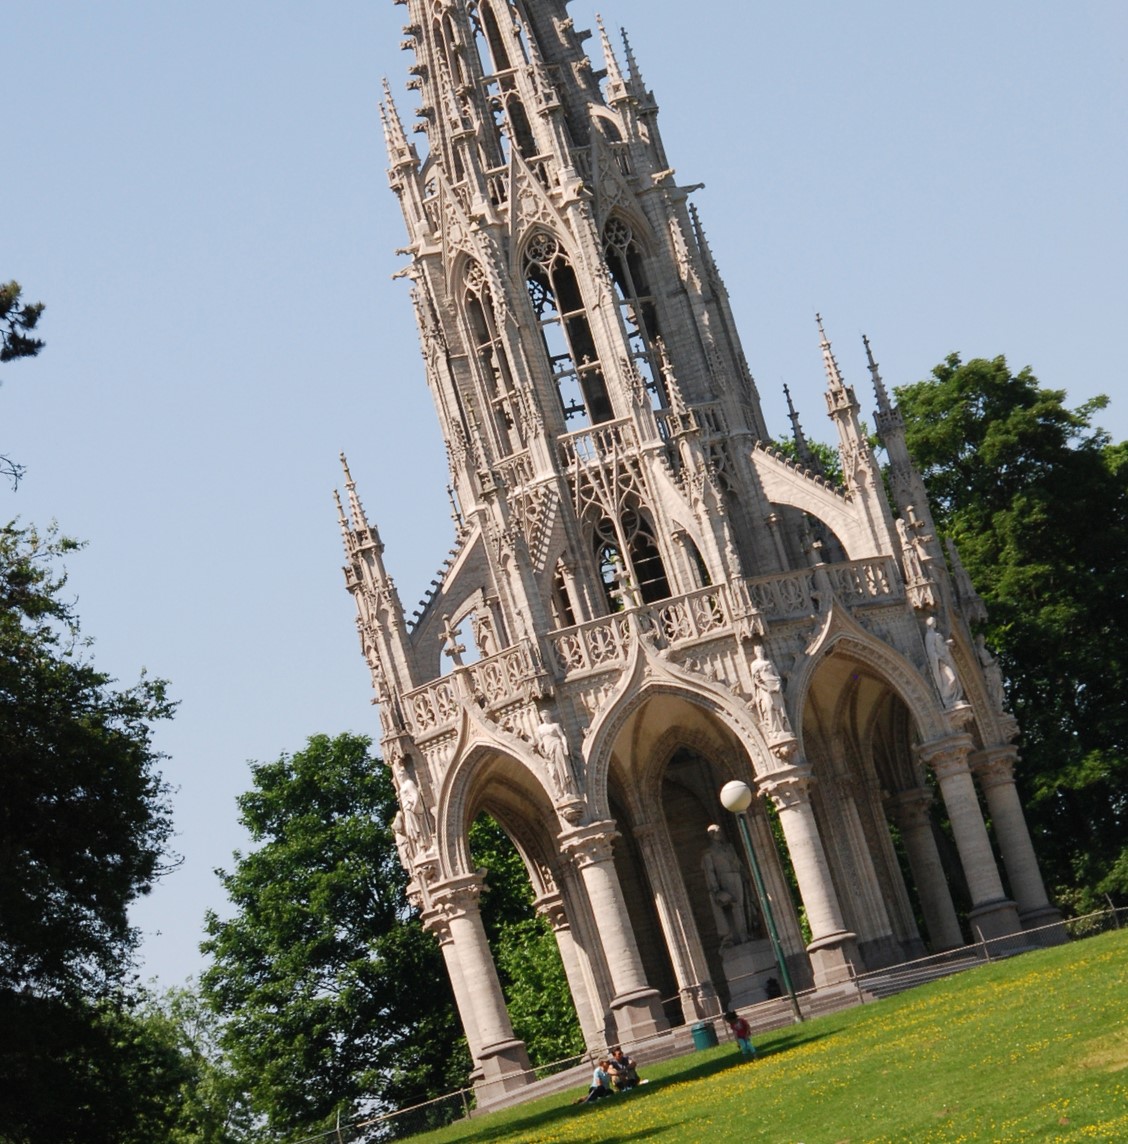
1034	1048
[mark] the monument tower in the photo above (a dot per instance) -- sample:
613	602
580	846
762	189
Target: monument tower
644	598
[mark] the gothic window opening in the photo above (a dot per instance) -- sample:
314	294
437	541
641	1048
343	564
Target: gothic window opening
629	561
636	304
703	578
559	308
493	363
562	611
510	121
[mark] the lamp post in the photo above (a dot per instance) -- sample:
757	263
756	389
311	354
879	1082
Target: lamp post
737	797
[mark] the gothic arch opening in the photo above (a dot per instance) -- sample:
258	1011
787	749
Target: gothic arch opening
629	561
637	306
558	305
670	758
898	878
488	353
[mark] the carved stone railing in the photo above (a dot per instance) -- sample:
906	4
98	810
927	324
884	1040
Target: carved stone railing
516	470
514	675
866	581
707	420
433	706
692	617
517	675
783	597
596	442
594	646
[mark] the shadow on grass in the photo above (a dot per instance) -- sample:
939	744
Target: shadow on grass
692	1069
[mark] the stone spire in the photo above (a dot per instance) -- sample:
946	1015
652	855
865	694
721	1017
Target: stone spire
616	85
802	449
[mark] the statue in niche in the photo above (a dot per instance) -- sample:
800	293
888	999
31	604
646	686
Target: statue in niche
552	745
910	553
768	694
414	813
942	664
399	832
728	891
484	635
992	675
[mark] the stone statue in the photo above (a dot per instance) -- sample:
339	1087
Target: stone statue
910	554
768	694
399	828
414	813
942	664
724	879
553	747
992	675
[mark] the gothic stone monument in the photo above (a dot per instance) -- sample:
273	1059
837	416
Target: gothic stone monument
645	599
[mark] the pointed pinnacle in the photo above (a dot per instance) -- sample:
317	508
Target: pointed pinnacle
395	138
638	88
802	448
616	88
833	373
342	520
356	510
883	403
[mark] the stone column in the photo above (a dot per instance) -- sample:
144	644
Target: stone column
551	907
994	768
691	969
832	947
993	914
910	811
503	1063
636	1006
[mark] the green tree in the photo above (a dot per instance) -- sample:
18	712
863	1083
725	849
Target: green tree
84	825
17	320
84	813
334	998
528	959
1036	499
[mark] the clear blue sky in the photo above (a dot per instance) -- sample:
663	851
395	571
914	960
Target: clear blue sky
196	189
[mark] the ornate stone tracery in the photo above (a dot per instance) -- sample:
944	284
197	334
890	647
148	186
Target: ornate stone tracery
646	598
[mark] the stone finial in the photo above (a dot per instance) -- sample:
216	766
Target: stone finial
884	405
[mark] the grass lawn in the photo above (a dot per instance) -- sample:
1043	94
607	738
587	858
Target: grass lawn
1034	1048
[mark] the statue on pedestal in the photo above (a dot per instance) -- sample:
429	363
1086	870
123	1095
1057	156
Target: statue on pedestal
728	892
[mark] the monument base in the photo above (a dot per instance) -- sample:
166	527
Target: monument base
748	968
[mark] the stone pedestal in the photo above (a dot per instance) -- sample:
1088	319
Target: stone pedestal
747	969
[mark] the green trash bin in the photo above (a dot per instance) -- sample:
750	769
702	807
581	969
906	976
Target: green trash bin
704	1035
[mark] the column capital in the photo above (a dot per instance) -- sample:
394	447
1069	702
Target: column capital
789	786
589	845
454	898
994	766
910	808
550	906
947	756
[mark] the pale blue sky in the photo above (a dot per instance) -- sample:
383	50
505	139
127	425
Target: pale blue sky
196	189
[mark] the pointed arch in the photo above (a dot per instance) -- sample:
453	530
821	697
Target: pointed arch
559	310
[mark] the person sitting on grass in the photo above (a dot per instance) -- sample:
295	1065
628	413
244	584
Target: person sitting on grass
742	1031
624	1071
600	1084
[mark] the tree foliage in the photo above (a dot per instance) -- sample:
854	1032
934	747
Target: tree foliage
84	814
1036	499
528	959
84	824
335	1000
17	320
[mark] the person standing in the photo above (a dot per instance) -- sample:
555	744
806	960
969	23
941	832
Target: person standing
742	1031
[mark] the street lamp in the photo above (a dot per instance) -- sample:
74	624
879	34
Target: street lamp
737	797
